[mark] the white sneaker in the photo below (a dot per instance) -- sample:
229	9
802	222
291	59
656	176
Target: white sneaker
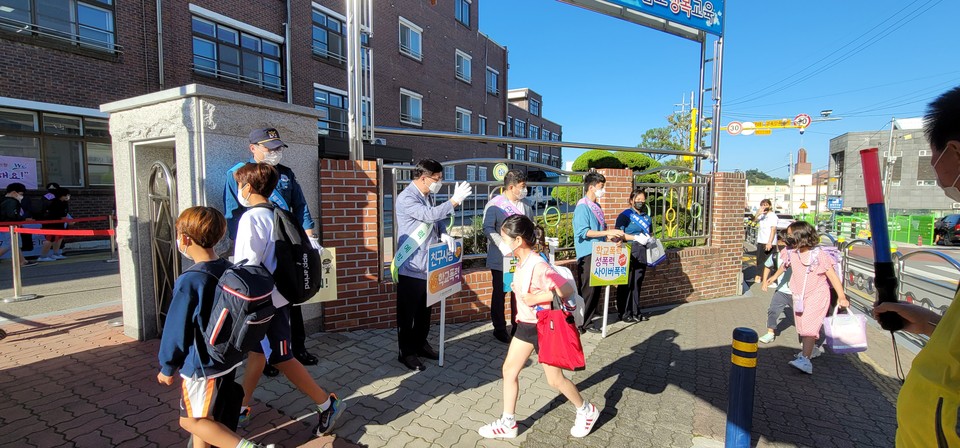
585	421
817	351
498	430
768	338
46	259
802	364
58	257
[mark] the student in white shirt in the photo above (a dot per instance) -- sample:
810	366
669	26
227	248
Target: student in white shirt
766	234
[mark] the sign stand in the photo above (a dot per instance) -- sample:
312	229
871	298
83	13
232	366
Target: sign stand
18	295
606	311
443	324
610	265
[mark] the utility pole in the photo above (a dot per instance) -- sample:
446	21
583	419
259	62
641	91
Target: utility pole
790	180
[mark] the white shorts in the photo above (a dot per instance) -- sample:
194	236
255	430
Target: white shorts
199	396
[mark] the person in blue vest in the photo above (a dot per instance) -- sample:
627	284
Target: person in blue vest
266	147
637	227
420	224
501	207
589	226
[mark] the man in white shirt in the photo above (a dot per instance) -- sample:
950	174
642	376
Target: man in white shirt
766	234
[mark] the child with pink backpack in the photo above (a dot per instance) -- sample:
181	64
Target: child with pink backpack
814	272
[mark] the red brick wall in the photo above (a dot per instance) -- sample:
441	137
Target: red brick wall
689	275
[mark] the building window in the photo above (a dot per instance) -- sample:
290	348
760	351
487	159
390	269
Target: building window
449	173
534	131
519	153
544	134
534	107
328	40
509	125
463	66
925	170
471	173
226	53
410	39
554	136
482	125
333	112
87	23
545	159
926	183
534	156
924	153
519	128
70	150
463	121
411	106
493	81
501	129
463	11
482	177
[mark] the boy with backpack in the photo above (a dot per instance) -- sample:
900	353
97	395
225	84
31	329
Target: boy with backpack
206	380
11	210
255	243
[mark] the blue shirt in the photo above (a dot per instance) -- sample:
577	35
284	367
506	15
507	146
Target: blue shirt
631	228
584	220
182	346
414	209
287	188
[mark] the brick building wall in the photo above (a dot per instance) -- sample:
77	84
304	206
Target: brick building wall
365	302
518	108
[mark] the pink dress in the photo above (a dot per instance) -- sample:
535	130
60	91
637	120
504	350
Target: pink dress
533	277
809	282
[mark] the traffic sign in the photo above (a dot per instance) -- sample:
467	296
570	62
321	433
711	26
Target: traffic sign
802	120
500	171
835	203
734	127
748	128
803	206
764	131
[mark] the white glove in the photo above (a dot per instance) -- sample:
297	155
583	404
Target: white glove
315	242
641	239
461	192
451	243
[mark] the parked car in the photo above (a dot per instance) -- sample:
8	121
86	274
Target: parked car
947	230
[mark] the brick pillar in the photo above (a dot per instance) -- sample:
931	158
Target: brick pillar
726	231
618	187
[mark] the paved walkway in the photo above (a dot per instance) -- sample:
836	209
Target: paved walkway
72	380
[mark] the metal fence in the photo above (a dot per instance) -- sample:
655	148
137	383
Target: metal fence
681	203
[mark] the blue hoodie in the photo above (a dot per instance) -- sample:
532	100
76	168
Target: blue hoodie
182	344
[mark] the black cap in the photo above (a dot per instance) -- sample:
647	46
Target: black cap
268	137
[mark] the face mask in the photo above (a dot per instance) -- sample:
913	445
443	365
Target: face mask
600	192
640	206
183	252
435	187
521	194
20	197
951	190
242	200
272	157
505	247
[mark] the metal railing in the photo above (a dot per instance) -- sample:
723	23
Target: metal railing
26	28
681	202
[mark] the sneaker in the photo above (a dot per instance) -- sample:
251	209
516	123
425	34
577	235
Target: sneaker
584	422
803	364
768	338
245	414
58	257
46	259
28	264
817	351
329	417
498	430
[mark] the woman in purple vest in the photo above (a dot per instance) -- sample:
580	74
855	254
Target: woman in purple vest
637	226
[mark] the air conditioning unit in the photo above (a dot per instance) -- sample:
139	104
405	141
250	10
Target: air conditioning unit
379	141
956	206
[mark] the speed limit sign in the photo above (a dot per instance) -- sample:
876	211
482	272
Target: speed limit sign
801	121
734	127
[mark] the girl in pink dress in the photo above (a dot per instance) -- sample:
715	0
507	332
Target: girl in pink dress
534	282
813	268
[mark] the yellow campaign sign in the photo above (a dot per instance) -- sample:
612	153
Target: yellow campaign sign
763	132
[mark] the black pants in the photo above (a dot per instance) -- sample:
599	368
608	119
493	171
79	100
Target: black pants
498	303
413	315
297	332
762	255
592	295
628	296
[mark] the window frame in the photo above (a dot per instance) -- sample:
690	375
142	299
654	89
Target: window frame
539	107
481	174
521	125
242	51
342	131
74	37
501	129
414	29
462	116
465	76
340	59
533	131
458	11
496	84
481	125
449	173
471	173
414	96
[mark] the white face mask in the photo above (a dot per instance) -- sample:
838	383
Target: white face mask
183	252
242	200
951	190
600	192
522	194
505	246
273	157
435	187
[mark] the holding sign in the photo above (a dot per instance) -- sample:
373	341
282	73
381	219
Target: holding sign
611	264
444	277
18	169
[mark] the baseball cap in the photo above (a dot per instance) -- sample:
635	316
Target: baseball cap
268	137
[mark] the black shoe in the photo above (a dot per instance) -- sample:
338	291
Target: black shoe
595	330
270	371
428	352
582	330
412	363
629	319
502	336
306	358
642	317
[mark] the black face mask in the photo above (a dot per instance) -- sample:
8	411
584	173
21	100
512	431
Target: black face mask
640	206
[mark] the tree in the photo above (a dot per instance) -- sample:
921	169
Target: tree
757	177
595	159
639	162
675	136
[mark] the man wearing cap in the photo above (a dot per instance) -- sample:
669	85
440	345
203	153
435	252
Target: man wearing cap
266	147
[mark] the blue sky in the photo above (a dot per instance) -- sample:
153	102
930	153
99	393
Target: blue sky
607	81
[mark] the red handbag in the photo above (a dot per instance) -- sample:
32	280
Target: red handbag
559	339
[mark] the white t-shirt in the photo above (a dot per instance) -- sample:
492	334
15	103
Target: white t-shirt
768	222
255	244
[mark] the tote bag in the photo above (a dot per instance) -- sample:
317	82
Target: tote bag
656	253
846	333
559	339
